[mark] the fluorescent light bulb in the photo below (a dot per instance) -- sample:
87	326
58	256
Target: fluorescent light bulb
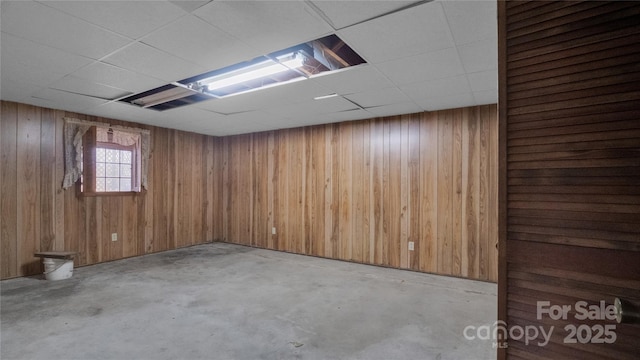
325	96
258	73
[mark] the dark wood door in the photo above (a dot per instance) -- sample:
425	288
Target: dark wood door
570	176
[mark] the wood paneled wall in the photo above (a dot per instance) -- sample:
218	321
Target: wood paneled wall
37	215
357	191
361	191
569	91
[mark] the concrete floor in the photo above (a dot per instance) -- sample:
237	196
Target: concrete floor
222	301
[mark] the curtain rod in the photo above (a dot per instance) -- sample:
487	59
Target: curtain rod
104	124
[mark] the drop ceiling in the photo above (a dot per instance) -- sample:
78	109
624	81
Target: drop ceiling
83	56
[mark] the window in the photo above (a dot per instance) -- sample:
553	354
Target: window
114	167
110	161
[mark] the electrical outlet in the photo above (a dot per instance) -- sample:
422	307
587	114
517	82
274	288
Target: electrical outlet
410	245
273	231
114	237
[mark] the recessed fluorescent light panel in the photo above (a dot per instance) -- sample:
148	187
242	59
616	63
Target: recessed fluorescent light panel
278	68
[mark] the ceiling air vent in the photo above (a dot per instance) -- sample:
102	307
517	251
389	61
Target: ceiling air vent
281	67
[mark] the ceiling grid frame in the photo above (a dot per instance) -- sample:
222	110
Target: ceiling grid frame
91	84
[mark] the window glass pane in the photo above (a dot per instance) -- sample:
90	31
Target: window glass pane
113	156
113	184
125	184
100	170
100	185
125	170
100	155
125	157
113	170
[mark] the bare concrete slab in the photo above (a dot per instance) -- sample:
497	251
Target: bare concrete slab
223	301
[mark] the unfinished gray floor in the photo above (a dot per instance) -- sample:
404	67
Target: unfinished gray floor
222	301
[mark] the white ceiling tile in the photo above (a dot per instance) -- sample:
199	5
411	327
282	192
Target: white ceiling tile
313	107
44	103
352	79
190	114
486	97
264	121
310	120
16	91
290	93
102	73
160	120
345	13
394	109
447	102
349	115
121	111
479	56
206	131
25	61
189	5
472	20
427	65
187	118
254	121
378	97
230	105
266	25
146	60
85	87
64	100
178	118
485	80
129	18
231	125
44	25
196	41
187	127
241	119
410	32
17	72
430	66
437	88
331	105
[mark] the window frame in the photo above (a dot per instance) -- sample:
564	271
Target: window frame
88	179
134	161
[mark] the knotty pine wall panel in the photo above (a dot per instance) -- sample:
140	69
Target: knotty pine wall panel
356	191
37	215
570	140
9	186
360	191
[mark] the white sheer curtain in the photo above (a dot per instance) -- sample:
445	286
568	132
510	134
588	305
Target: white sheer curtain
74	130
73	133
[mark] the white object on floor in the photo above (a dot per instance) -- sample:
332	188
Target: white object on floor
57	269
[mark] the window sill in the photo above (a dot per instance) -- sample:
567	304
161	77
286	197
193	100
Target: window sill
112	193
